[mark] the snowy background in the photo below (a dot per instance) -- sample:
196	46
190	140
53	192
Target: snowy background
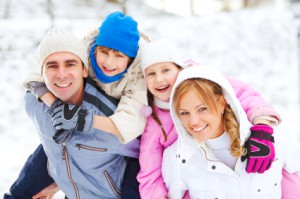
258	46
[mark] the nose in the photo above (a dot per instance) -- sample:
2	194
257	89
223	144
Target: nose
159	78
62	73
109	59
194	119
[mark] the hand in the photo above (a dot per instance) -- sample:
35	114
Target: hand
47	193
68	117
62	136
260	149
55	104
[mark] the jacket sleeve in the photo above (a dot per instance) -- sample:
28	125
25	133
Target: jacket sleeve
32	76
33	107
151	152
171	174
128	117
252	102
290	184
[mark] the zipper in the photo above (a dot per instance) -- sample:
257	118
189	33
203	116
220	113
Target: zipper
81	146
205	153
112	184
65	157
64	151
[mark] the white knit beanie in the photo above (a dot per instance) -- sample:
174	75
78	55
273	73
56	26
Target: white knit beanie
57	40
160	51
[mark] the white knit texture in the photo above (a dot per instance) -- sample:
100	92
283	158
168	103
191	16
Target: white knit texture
57	40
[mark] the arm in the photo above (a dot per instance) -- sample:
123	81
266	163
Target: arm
150	176
48	98
254	104
261	115
48	192
290	184
128	117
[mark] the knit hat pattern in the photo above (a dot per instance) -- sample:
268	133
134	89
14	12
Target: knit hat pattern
57	40
119	32
160	51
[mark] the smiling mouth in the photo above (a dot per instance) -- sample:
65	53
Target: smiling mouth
62	85
109	69
200	129
162	88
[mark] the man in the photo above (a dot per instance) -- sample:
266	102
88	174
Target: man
89	164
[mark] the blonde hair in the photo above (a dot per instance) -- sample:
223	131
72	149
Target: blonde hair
210	93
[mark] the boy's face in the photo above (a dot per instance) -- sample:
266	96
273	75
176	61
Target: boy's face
64	74
111	62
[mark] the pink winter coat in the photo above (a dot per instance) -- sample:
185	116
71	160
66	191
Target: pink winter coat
153	144
151	154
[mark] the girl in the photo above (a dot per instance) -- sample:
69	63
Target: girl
212	129
161	65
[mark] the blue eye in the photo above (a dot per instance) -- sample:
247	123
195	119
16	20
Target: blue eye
165	70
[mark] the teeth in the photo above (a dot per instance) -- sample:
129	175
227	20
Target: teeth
199	129
110	69
62	85
162	87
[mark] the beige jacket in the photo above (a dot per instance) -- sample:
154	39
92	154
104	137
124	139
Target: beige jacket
132	92
130	89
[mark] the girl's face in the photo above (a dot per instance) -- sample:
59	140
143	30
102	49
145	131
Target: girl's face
111	62
198	119
160	79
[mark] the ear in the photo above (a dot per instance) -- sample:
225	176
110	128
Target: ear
85	72
222	103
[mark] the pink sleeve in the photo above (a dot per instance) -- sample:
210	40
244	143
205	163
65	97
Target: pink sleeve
151	152
290	184
252	102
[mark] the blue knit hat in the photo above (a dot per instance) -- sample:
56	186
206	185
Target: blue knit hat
119	32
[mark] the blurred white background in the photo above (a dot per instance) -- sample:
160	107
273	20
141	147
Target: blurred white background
257	43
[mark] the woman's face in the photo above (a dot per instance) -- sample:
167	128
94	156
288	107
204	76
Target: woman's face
198	119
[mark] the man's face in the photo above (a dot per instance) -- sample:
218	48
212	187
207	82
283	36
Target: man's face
64	75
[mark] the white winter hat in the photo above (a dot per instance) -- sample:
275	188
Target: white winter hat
57	40
160	51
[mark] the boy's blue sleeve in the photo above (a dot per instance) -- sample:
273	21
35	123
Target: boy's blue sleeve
33	177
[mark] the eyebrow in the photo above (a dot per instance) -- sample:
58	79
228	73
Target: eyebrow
68	61
198	106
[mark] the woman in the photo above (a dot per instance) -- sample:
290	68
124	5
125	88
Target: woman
212	129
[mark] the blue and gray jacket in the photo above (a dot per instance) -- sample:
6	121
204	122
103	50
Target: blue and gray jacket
91	164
